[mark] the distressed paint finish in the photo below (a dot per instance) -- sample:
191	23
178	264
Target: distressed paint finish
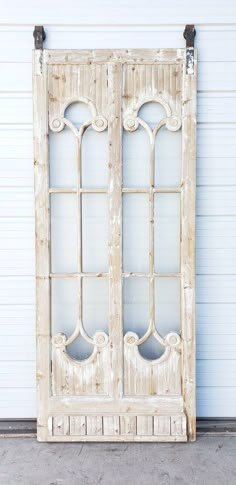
115	394
188	215
42	241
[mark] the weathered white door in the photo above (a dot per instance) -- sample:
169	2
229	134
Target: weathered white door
115	234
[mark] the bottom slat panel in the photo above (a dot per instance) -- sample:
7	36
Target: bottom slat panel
123	427
77	425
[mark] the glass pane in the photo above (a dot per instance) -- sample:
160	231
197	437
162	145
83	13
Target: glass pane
167	233
63	233
78	113
65	310
135	233
95	232
135	305
64	315
80	349
136	315
94	152
168	155
167	305
151	349
95	315
63	157
95	305
152	113
94	159
64	305
136	158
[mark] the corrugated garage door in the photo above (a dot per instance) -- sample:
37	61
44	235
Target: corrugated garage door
216	171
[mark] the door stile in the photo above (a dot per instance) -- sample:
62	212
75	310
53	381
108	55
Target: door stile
115	228
188	196
42	234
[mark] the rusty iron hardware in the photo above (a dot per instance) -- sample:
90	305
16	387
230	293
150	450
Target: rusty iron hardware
189	35
39	36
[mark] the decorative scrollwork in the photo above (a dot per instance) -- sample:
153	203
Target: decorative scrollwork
172	122
172	341
99	341
131	123
57	125
97	121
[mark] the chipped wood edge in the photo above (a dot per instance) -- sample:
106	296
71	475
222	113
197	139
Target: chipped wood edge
40	110
188	215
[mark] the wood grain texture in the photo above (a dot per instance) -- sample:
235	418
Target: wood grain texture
121	396
119	428
188	215
42	240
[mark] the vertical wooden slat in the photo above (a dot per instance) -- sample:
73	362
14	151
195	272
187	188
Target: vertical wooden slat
162	425
77	425
115	228
188	247
145	425
128	425
178	425
111	425
42	233
61	426
94	425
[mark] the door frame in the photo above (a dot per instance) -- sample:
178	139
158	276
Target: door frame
49	406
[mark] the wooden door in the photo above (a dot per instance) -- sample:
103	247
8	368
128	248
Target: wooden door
115	243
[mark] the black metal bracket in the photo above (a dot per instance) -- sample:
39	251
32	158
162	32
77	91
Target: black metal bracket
189	35
39	36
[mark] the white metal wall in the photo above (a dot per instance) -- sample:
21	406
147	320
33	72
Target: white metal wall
127	23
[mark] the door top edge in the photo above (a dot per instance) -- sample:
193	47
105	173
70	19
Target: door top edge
52	56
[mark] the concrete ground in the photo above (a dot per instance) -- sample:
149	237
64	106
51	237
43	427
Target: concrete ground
211	460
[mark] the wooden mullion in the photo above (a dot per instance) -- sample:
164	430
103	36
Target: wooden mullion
65	190
151	239
148	275
62	190
156	190
79	237
76	275
115	228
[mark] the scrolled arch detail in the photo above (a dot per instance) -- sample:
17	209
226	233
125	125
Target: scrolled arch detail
132	120
97	121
